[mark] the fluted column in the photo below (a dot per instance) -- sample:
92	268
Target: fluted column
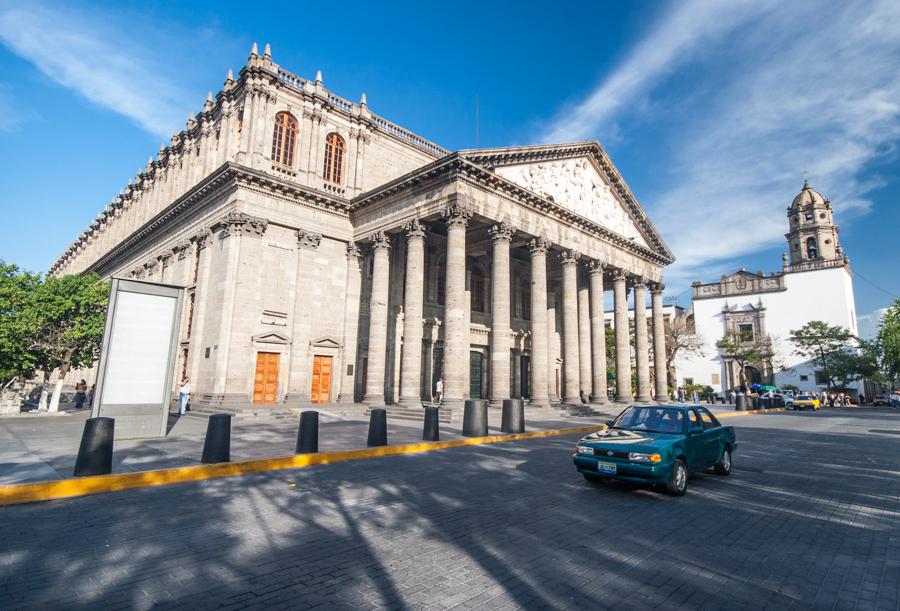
501	235
413	305
378	314
641	345
584	338
540	359
598	335
351	322
456	333
623	347
659	344
571	369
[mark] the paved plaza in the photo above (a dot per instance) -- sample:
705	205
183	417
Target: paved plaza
810	518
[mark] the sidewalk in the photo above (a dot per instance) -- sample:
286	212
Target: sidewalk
42	449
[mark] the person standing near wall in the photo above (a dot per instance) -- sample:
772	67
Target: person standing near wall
80	394
184	393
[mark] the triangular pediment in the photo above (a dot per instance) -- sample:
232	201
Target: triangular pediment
271	337
326	342
580	178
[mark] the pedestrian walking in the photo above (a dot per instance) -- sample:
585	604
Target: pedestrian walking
862	399
184	394
80	394
695	397
439	389
91	395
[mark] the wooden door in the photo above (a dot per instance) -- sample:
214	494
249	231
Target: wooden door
265	385
321	380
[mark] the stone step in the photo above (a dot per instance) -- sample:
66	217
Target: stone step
416	414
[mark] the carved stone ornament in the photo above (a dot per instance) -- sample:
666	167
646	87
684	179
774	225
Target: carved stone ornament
238	223
569	257
352	250
180	249
150	266
657	288
202	239
539	246
415	229
619	274
639	282
595	266
164	260
380	240
456	215
502	232
308	239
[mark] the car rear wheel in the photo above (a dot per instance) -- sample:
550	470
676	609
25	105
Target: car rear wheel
592	479
723	467
677	484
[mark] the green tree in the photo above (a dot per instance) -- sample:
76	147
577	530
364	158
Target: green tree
888	343
826	346
66	320
17	359
743	353
681	338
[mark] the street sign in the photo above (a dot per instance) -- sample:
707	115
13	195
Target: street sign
137	358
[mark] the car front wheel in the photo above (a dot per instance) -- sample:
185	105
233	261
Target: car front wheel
677	484
723	467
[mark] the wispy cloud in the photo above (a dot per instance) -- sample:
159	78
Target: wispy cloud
868	323
746	101
10	116
98	56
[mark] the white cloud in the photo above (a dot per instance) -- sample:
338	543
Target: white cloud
747	100
99	57
10	117
868	323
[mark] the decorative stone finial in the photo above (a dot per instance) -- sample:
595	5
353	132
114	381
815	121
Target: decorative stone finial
208	104
254	50
362	100
267	52
318	76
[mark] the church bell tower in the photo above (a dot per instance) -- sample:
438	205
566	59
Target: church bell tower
813	236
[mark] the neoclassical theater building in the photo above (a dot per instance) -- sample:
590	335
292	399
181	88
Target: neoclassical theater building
330	255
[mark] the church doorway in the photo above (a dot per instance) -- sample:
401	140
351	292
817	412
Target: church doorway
476	374
265	385
320	391
524	371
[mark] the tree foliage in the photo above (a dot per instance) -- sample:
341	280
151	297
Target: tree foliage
743	353
17	360
681	338
827	347
888	343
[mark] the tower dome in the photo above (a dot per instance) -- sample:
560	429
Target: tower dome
808	197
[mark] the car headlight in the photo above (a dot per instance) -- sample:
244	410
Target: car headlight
585	450
638	457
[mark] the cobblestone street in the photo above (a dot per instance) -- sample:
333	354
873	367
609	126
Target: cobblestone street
810	518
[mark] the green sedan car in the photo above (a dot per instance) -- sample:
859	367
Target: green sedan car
658	445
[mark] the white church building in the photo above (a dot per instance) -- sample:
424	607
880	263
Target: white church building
815	283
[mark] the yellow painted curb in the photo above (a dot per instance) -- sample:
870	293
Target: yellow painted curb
749	412
100	484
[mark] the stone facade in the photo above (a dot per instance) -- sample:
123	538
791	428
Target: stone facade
486	267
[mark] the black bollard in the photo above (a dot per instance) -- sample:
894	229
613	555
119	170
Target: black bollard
755	403
513	416
475	418
740	403
431	429
308	433
217	445
377	428
96	449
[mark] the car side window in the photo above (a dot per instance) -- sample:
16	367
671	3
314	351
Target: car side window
709	421
694	420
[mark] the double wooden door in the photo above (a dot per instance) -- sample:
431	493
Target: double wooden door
320	390
265	385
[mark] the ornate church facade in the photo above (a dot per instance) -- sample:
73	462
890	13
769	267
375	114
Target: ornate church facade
330	255
815	283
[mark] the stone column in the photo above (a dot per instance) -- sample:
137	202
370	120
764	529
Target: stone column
623	345
351	326
584	338
456	331
500	312
378	314
659	344
302	319
598	335
641	345
540	360
413	310
571	368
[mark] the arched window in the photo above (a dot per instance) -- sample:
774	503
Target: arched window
477	289
284	139
812	250
334	158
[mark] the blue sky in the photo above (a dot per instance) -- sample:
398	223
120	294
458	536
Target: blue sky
713	111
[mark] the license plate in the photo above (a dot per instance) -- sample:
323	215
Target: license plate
606	467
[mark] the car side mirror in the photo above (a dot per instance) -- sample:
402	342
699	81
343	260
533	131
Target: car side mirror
609	423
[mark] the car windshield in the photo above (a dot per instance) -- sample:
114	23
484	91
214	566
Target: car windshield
651	419
803	398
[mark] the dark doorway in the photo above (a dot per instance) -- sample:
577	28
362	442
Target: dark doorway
476	369
524	373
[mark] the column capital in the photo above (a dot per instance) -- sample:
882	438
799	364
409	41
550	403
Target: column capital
539	245
657	288
238	223
308	239
456	214
502	232
352	250
639	282
595	266
202	238
415	229
569	257
380	240
619	274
